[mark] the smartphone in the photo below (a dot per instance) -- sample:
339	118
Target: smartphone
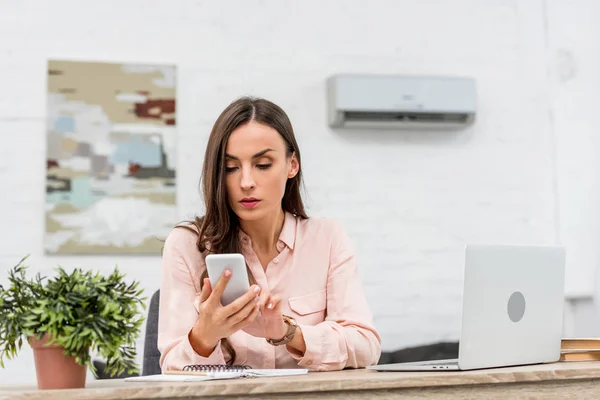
238	284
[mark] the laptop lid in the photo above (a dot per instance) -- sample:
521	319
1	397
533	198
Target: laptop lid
512	305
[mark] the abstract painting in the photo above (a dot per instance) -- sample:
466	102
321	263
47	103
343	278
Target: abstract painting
110	167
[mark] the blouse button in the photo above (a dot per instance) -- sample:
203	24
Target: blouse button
276	260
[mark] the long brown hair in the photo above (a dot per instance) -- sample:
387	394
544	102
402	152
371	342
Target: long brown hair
218	229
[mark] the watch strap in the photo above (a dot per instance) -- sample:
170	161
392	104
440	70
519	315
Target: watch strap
289	335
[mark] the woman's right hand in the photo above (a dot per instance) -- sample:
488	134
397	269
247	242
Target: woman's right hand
216	321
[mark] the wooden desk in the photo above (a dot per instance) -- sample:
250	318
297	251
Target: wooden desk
550	381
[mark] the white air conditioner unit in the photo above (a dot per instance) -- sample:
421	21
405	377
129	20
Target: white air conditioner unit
401	102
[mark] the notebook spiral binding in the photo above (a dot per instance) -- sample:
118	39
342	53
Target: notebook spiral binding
215	368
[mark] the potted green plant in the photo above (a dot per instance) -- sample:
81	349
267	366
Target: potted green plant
67	317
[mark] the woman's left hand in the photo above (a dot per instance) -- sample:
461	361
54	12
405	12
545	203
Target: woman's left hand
269	323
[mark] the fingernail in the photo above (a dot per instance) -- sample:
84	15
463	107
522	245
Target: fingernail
227	273
256	289
270	306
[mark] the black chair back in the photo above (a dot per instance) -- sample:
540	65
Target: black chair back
151	365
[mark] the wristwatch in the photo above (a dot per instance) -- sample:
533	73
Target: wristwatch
289	335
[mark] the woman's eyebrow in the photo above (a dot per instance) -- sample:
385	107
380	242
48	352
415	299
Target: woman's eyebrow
259	154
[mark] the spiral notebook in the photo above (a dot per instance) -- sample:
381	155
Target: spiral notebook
198	373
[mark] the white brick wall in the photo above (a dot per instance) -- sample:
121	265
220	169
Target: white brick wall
409	200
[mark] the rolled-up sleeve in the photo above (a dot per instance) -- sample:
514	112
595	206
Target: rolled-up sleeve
179	294
347	338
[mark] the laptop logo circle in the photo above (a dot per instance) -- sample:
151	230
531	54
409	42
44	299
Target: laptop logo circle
516	306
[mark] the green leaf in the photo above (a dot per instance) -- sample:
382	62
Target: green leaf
82	310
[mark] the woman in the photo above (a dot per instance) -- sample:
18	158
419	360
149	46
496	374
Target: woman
306	306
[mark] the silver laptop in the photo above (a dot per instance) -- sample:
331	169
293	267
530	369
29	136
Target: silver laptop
512	309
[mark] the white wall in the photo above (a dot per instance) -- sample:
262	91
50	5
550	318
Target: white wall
410	200
573	44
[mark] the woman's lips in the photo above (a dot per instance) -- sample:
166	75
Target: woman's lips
250	203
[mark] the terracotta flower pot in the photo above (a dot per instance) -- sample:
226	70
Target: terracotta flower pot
54	370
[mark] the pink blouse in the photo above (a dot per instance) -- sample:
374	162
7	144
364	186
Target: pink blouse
316	276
